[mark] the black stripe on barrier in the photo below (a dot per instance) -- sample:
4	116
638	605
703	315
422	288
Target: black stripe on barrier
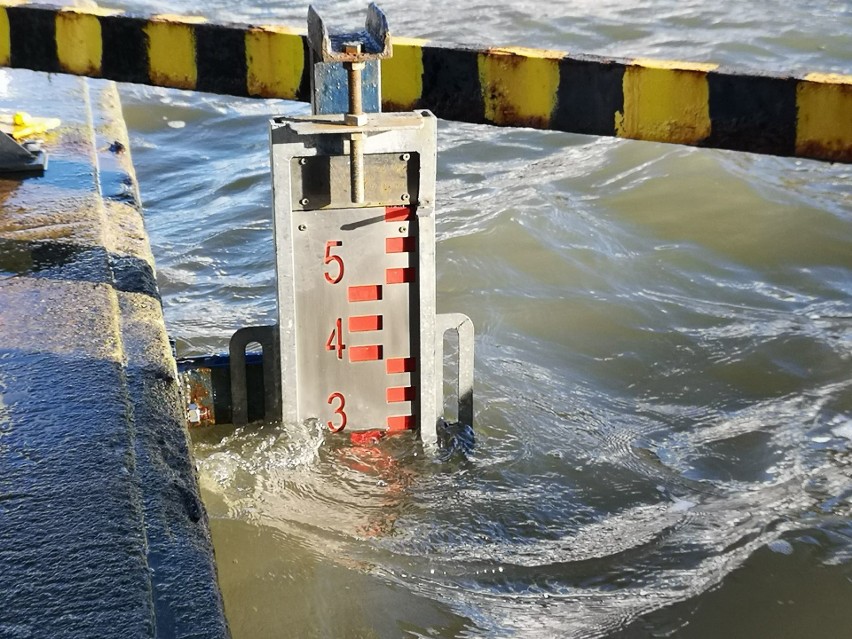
304	92
752	113
451	87
220	57
125	49
32	35
589	93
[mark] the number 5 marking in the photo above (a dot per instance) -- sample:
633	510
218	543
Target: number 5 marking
337	411
329	258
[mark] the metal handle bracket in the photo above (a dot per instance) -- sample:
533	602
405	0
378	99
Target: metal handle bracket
463	327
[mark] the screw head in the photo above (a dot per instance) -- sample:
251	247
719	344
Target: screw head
405	157
405	197
302	227
302	161
402	229
304	201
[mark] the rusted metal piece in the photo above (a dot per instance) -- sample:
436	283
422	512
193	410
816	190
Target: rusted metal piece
353	72
197	389
375	39
205	384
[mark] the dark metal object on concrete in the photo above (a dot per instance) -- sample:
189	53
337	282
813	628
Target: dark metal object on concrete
102	529
28	157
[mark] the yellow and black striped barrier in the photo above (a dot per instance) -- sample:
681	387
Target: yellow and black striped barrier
697	104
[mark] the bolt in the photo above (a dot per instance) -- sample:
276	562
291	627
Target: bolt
405	157
405	197
356	167
304	201
302	227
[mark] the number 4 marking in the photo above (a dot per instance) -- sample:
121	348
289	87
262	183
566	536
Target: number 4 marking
335	340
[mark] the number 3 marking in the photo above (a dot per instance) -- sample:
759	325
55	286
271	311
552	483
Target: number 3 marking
329	258
337	411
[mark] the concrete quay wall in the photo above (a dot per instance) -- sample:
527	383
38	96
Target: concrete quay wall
102	529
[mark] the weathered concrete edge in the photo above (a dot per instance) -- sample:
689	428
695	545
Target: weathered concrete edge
185	591
102	530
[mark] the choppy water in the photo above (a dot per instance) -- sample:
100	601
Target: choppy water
664	349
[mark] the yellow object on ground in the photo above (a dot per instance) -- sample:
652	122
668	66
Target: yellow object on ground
24	125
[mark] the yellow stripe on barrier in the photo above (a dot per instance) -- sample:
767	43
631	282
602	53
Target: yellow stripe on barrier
402	74
275	61
824	122
5	39
519	85
79	46
171	51
5	33
665	100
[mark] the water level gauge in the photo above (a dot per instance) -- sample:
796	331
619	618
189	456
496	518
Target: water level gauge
356	279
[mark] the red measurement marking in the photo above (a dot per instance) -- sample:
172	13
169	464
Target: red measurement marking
401	422
397	213
399	275
400	244
400	365
365	353
364	438
369	293
329	258
400	394
337	411
365	323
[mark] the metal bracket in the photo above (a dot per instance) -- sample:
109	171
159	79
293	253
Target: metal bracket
267	337
21	158
374	39
331	56
334	55
463	327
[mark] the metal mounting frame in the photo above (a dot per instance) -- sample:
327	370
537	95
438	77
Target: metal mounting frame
334	56
267	337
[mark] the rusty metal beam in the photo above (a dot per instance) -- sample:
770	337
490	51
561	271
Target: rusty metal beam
696	104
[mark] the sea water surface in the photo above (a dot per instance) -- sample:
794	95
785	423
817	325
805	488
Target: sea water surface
664	358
